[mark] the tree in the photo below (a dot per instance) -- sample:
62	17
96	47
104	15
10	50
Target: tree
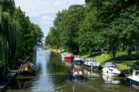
18	36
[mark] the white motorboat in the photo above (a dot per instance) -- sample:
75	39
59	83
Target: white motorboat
92	64
78	59
134	79
111	69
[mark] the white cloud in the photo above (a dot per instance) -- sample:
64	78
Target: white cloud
43	8
46	20
38	7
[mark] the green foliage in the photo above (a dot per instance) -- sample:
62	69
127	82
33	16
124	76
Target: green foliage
64	34
110	25
18	36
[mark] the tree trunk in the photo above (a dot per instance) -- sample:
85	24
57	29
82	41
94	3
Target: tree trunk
102	49
129	51
136	49
114	56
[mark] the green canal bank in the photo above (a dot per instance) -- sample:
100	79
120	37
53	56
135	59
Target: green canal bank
123	61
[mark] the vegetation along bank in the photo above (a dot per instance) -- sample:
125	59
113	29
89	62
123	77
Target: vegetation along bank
18	36
110	27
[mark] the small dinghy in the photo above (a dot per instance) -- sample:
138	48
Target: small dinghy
134	79
27	69
77	76
111	69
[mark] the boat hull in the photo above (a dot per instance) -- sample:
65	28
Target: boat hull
69	57
28	72
91	67
78	61
133	83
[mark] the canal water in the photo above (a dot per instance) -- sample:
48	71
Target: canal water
52	76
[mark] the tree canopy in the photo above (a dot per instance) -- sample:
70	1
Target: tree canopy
110	25
18	35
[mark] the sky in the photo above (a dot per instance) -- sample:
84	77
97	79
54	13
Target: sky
43	12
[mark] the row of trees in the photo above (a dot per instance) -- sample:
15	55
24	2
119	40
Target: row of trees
111	25
18	35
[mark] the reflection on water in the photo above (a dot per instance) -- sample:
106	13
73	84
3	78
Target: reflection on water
22	84
41	82
68	63
77	66
52	77
91	74
111	79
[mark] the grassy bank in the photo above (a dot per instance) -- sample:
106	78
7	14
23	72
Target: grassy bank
54	50
122	59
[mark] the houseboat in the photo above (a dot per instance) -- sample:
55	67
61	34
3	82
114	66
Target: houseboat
92	64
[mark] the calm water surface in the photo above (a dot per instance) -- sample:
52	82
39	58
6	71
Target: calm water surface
52	76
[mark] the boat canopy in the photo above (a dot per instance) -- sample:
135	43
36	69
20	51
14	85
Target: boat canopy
108	64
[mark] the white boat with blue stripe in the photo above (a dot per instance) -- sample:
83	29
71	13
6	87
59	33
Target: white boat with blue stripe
78	60
134	79
92	64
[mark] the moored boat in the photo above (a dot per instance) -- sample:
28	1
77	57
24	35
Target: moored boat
92	64
134	79
69	56
111	69
78	60
27	69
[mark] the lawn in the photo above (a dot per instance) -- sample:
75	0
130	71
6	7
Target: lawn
122	58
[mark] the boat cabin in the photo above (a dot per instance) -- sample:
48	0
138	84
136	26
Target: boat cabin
136	74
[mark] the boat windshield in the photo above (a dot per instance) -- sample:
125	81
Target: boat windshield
109	64
112	66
